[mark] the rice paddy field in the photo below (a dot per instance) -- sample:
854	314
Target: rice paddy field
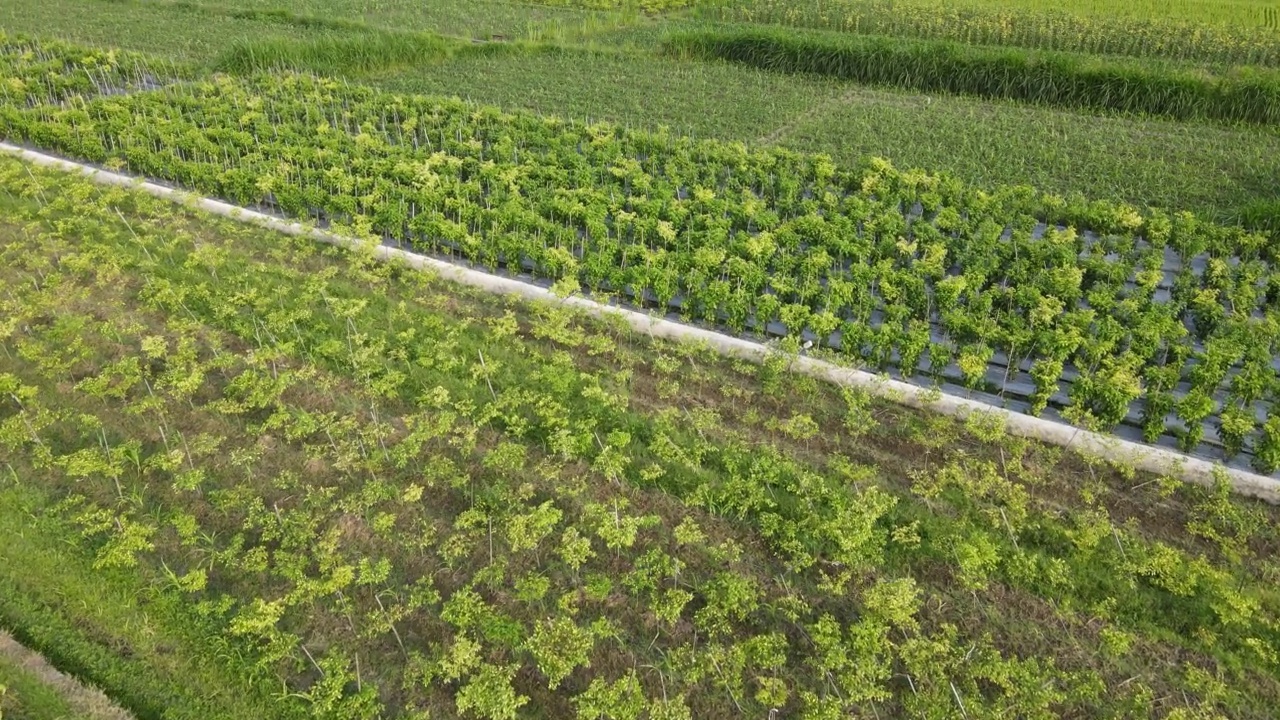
244	474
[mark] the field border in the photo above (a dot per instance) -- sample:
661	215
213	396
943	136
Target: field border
1157	460
81	696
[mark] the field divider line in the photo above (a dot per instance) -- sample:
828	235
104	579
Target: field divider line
1146	458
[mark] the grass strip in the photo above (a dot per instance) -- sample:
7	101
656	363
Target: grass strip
1158	33
23	695
359	53
32	689
1043	78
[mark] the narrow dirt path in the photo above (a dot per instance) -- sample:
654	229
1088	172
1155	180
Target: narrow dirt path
88	702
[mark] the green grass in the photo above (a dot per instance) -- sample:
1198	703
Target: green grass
1051	28
649	6
344	37
1068	80
637	90
352	55
1262	14
466	18
1243	13
111	628
26	697
1143	161
171	32
248	39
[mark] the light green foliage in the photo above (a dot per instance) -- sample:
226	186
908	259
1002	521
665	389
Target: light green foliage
981	486
1166	568
856	530
526	531
1267	453
532	588
668	605
575	549
1114	352
977	557
730	598
1222	518
772	693
558	646
1115	642
894	602
620	699
463	656
688	532
615	528
126	538
489	695
329	696
841	655
675	708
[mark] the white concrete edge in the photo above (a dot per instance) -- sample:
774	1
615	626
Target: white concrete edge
1146	458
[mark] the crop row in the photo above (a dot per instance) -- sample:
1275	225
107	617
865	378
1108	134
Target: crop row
1047	78
1049	29
1149	313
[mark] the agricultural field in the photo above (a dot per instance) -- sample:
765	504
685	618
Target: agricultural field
245	474
586	68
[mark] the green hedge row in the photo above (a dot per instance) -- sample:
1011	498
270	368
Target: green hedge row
1048	78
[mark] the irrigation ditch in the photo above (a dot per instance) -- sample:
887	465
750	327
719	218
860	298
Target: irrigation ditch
947	397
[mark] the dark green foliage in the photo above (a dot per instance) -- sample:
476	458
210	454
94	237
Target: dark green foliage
1045	78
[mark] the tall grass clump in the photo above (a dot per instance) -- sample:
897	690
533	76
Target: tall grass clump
647	6
351	55
1064	28
1046	78
1263	216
